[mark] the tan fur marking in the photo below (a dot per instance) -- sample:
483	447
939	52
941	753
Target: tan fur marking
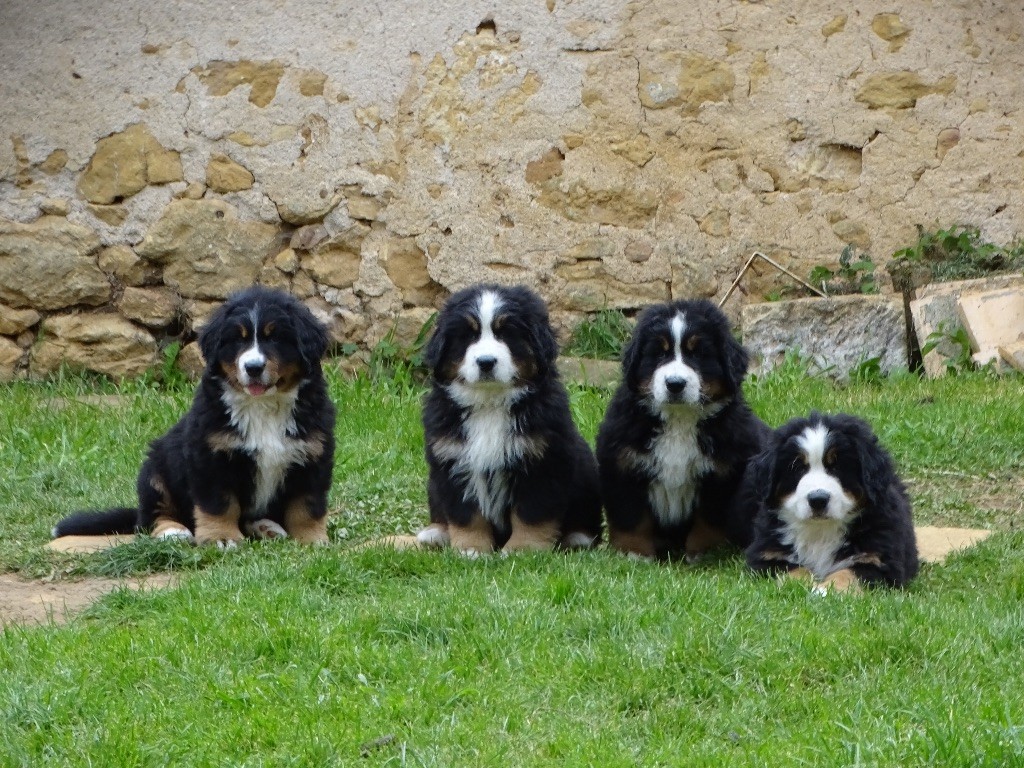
703	537
531	537
868	558
212	529
774	554
638	541
223	442
478	536
288	377
843	580
302	526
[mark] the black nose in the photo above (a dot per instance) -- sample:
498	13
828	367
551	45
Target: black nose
818	500
254	369
675	384
486	363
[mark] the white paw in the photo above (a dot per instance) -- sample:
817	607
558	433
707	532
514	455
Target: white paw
265	529
433	536
471	553
226	544
176	533
579	540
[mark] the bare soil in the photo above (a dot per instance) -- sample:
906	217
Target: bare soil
41	602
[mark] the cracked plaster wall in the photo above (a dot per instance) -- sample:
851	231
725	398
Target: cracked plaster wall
373	157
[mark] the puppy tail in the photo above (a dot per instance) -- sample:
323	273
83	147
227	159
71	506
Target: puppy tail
118	520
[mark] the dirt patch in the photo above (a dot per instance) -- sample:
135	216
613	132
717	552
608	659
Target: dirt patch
39	602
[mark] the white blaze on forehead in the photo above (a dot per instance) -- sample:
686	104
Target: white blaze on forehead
487	309
676	369
504	370
678	326
813	442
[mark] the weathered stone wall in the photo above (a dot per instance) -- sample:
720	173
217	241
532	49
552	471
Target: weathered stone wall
373	157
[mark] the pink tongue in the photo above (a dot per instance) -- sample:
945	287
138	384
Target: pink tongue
256	389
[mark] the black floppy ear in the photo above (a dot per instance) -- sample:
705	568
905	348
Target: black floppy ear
434	351
312	336
544	344
631	355
735	360
759	476
876	469
211	334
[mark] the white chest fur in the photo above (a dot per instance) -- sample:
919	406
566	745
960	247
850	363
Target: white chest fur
266	429
491	444
676	465
815	543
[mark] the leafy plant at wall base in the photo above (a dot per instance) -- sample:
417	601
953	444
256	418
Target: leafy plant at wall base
957	253
868	371
955	337
601	336
390	360
854	275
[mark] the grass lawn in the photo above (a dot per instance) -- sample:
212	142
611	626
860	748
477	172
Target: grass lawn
277	655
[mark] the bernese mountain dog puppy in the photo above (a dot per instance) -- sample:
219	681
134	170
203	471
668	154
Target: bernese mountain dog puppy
829	503
677	435
507	467
253	456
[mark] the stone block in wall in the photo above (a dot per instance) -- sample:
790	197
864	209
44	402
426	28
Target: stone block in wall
190	360
835	334
125	163
14	321
152	307
10	359
102	343
206	250
50	264
335	262
121	262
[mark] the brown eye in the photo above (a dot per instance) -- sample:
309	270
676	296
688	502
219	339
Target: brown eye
473	323
665	343
692	343
243	331
830	457
499	322
268	329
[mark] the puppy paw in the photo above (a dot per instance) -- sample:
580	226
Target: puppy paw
579	540
265	529
182	534
840	581
434	536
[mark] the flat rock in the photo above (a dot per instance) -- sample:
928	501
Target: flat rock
934	310
935	544
835	334
992	319
85	544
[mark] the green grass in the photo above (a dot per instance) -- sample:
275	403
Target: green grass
278	655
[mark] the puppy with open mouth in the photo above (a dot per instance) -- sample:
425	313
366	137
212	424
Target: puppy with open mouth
254	454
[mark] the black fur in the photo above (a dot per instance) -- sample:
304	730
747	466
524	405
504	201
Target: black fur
879	545
724	430
202	461
555	482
